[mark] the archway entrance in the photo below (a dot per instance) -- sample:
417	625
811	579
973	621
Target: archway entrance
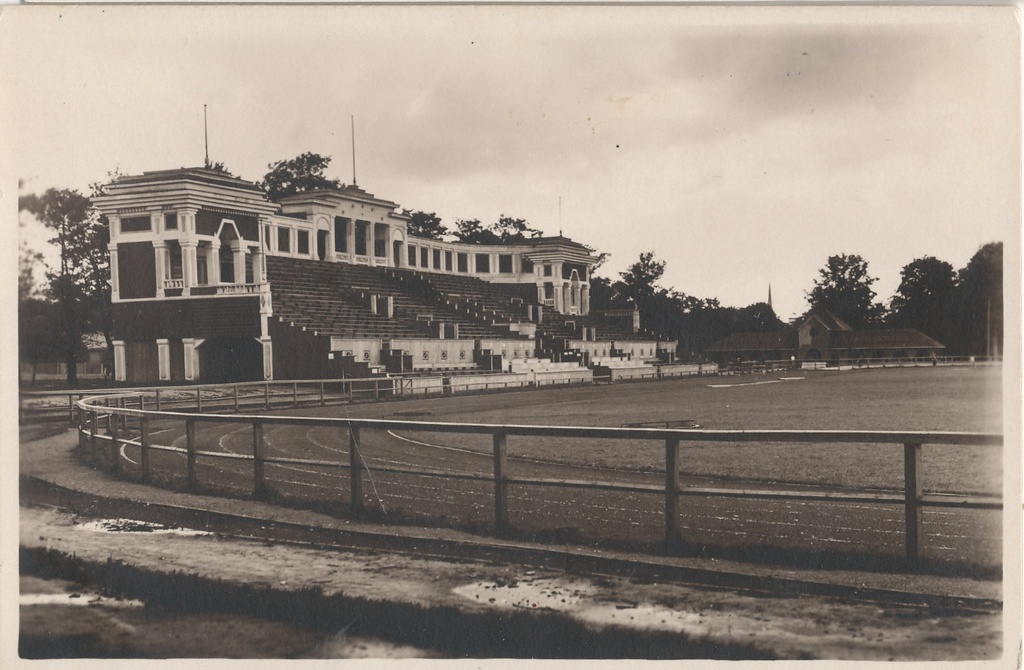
321	244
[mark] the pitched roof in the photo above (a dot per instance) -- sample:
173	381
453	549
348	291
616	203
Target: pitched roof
827	319
895	338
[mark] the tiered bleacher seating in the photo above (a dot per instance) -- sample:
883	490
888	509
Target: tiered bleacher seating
336	298
492	306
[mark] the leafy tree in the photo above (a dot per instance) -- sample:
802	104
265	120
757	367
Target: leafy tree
28	261
979	303
305	172
40	338
509	229
924	299
756	318
505	230
844	288
426	224
80	286
471	231
640	280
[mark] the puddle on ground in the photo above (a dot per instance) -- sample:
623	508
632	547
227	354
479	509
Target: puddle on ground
133	526
541	593
650	617
27	599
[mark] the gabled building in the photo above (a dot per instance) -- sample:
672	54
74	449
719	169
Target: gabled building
822	336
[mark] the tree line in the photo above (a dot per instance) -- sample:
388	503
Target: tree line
962	309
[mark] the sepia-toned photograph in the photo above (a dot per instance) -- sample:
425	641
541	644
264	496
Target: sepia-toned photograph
534	332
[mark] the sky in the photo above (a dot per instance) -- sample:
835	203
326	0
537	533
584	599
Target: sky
742	145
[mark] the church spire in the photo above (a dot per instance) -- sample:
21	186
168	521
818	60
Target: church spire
770	294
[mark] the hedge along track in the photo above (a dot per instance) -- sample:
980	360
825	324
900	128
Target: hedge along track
423	543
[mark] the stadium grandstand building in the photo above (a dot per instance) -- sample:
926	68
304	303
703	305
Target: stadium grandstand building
211	282
822	336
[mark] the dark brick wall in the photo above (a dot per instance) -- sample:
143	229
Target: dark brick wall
142	365
299	354
136	270
208	222
174	319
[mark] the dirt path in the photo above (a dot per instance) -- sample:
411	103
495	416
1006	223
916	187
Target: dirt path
804	627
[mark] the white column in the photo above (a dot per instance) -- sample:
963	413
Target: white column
238	252
540	293
187	221
160	256
369	242
114	280
189	263
156	222
258	274
268	358
350	238
213	263
163	357
191	365
115	226
388	251
120	371
585	299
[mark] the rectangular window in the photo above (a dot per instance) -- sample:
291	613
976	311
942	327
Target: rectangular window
527	266
547	270
303	242
202	270
483	263
136	224
174	256
249	271
284	239
341	234
549	290
361	238
463	263
505	263
448	261
171	221
412	255
437	259
424	257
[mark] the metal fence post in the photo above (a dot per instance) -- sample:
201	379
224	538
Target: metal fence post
322	403
354	471
81	429
350	392
236	398
158	400
95	427
266	395
144	441
71	408
190	457
259	486
295	394
500	487
673	533
199	400
912	495
115	446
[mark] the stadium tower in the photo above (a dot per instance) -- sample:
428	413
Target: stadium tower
211	282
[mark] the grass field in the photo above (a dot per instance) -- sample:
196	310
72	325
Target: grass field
928	399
